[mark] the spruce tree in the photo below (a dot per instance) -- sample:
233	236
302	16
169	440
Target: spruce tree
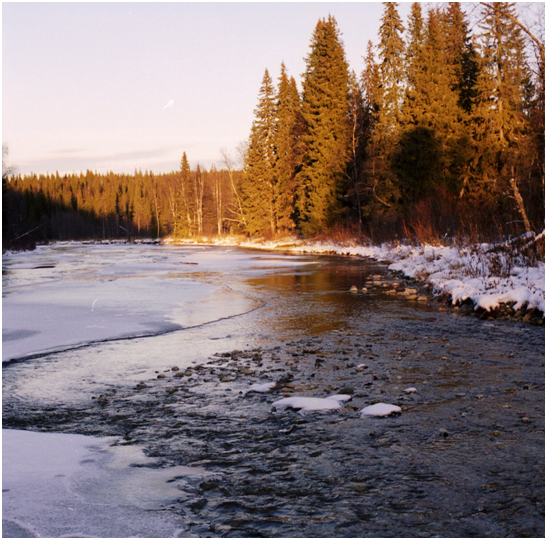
185	199
415	60
258	184
374	164
460	54
384	84
434	121
288	150
502	123
392	68
322	179
500	120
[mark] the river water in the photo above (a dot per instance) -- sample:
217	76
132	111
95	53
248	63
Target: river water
95	338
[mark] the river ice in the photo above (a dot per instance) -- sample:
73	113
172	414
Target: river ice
57	484
66	295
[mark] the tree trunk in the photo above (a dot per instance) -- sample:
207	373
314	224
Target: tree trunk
520	204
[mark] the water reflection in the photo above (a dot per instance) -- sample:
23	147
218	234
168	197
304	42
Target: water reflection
318	299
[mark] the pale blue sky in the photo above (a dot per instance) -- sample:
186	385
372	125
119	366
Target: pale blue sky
119	86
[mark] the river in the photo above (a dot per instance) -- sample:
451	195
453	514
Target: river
153	348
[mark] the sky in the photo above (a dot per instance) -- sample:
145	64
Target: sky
119	86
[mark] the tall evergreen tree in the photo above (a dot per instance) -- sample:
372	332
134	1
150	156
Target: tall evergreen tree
387	100
392	68
288	149
184	206
460	54
374	163
500	121
258	185
434	121
415	59
322	179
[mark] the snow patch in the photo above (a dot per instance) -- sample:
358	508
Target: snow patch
265	387
380	409
309	404
340	397
58	484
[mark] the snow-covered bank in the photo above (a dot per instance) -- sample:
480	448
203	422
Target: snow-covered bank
463	272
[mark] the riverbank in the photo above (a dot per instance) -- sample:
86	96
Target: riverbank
477	279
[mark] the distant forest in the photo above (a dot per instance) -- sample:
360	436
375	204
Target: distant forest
441	136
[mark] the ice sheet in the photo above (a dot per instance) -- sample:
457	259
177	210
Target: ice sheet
69	294
59	484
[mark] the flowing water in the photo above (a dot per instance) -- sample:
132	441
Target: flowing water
91	335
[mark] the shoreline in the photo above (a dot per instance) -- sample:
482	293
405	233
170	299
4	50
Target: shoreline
460	389
456	274
519	301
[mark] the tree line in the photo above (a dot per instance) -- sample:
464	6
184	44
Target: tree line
442	134
102	206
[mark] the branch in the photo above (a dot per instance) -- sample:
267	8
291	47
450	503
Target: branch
540	45
28	232
378	198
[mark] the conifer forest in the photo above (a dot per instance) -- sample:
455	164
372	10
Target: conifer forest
442	135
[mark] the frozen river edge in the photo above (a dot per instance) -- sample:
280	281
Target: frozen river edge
461	274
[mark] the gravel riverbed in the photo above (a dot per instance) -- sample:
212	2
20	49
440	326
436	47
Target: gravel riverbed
465	458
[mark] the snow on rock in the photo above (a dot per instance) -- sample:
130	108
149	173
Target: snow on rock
340	397
265	387
380	409
308	404
410	390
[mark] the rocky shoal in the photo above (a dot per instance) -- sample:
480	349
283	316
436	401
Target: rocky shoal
336	474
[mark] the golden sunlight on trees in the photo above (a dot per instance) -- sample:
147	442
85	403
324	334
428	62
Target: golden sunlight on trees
444	131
